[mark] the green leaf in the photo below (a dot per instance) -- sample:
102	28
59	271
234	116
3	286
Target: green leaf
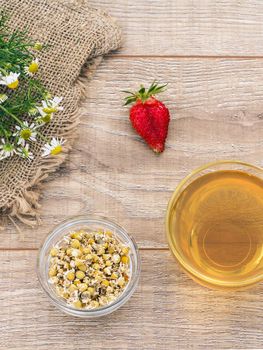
142	90
127	92
152	87
130	100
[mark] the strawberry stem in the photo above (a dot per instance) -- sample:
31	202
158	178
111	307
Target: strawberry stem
143	94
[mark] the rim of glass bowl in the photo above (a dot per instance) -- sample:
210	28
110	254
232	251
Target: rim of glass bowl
121	233
172	245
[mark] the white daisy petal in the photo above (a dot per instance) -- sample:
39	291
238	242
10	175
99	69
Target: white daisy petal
25	153
10	80
54	147
32	68
7	149
26	133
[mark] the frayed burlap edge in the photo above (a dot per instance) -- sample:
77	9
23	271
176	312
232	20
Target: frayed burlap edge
25	207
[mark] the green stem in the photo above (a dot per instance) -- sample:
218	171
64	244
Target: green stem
11	115
21	123
4	131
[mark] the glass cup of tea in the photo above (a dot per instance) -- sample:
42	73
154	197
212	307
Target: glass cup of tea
214	225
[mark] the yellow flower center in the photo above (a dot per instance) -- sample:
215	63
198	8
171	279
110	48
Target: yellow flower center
49	110
33	67
25	134
56	150
38	46
47	118
13	85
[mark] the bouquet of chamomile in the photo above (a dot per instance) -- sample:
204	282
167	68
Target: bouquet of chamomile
25	104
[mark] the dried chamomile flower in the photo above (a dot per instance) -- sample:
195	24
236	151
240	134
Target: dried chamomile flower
89	269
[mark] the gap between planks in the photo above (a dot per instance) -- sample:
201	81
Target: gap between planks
183	57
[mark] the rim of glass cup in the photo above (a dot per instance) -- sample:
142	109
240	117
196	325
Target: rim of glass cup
190	269
125	295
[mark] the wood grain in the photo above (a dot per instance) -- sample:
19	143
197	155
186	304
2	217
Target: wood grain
186	27
168	311
216	111
216	106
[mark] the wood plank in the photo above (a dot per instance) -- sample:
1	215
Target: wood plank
216	111
168	311
184	27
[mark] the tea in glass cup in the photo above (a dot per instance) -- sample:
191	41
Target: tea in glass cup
215	225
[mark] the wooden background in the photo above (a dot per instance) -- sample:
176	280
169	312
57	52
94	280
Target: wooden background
211	54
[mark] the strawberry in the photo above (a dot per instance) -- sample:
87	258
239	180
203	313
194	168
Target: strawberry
149	116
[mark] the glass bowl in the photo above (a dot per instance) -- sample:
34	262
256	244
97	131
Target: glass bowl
84	222
233	233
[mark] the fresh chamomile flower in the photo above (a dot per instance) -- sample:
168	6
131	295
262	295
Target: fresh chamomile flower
47	95
3	98
32	111
25	133
40	121
7	149
38	46
25	153
52	105
48	108
10	80
53	148
44	117
32	68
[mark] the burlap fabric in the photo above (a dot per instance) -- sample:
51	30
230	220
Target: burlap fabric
76	34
